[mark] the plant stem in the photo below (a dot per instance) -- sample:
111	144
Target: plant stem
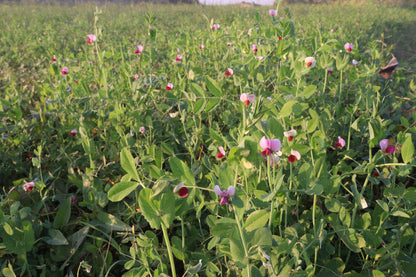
166	238
243	240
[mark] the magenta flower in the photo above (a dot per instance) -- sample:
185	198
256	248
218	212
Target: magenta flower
169	86
54	58
229	72
74	132
272	12
254	47
329	70
386	148
340	143
229	44
91	38
215	27
178	58
65	70
355	63
348	47
201	46
29	186
180	190
290	134
247	98
225	194
294	155
221	154
269	146
142	130
139	49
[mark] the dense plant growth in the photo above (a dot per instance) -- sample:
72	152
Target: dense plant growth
188	140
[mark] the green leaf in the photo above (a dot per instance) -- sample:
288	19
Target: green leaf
400	213
128	164
256	220
182	171
63	214
309	91
8	228
199	106
332	204
350	237
113	223
28	235
149	208
408	149
121	190
56	238
213	87
287	108
167	207
262	237
197	90
270	196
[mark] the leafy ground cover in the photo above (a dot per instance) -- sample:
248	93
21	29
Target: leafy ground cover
216	141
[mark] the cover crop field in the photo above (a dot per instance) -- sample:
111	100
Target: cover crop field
183	140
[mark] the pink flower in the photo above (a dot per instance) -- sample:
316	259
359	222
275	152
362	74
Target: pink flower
247	98
178	58
142	130
180	190
290	134
310	62
269	146
65	71
340	143
254	47
294	155
280	38
221	154
229	72
355	63
272	12
136	76
91	38
139	49
229	44
386	148
224	194
169	86
348	47
329	70
54	58
76	81
29	186
74	132
201	46
215	27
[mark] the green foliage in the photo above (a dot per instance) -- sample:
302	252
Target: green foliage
131	191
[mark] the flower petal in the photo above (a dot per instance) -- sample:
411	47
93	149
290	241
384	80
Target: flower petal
295	153
231	191
383	144
217	190
275	145
264	143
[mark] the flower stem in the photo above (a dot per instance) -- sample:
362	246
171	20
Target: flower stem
243	240
166	238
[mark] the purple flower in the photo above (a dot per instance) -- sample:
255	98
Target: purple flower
224	194
385	147
269	146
